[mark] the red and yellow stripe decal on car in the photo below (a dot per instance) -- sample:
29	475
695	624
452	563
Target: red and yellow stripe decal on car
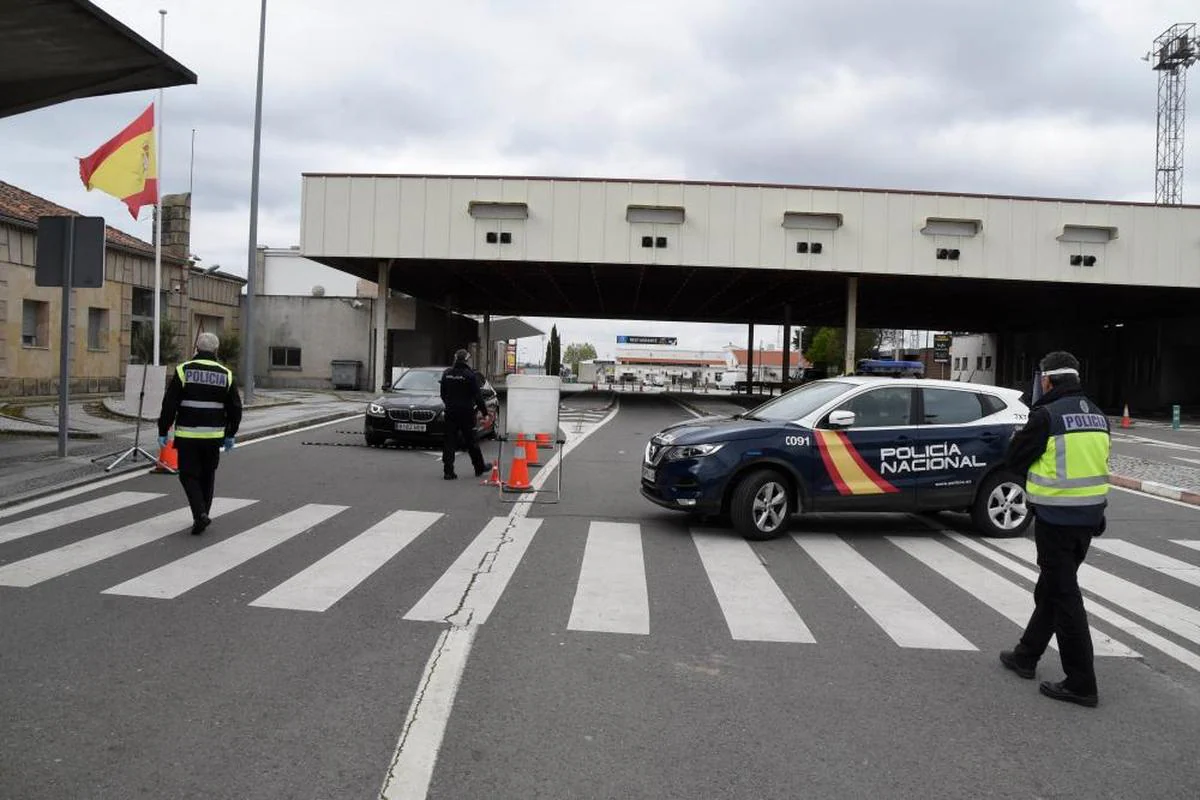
850	474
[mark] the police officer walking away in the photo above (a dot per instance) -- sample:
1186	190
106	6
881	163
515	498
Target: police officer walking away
1063	449
462	393
203	404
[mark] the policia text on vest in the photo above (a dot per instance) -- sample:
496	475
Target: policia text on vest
203	404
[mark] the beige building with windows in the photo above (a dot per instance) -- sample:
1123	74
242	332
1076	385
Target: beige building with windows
111	327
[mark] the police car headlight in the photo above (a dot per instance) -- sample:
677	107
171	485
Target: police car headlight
376	410
692	451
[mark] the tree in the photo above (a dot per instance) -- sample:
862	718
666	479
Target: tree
802	338
553	352
578	352
141	345
828	348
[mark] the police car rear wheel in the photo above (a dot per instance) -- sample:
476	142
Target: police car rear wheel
760	505
1001	508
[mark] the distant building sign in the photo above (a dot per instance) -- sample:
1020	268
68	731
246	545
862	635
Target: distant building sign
941	348
510	361
669	341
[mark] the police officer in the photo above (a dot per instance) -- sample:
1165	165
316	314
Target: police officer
462	393
203	404
1063	450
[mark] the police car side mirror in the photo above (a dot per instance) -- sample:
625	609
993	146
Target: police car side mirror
841	419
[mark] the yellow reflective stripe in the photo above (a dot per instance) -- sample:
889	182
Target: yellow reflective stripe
200	433
1087	454
1067	483
1073	470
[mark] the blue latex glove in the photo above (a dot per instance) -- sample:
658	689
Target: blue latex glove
162	441
228	443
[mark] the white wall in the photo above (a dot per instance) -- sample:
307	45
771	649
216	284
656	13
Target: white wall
973	358
573	220
287	273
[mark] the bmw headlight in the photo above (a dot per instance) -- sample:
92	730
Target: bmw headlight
684	451
376	410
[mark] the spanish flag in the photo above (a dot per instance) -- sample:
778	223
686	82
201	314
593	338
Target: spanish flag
125	166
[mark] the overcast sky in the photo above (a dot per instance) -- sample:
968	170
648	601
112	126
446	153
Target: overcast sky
1032	97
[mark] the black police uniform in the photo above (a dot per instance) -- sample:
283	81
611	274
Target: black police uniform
461	394
203	404
1062	536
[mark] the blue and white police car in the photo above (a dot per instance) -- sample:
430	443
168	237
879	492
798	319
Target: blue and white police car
847	444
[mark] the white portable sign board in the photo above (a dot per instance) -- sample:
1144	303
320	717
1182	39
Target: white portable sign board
532	405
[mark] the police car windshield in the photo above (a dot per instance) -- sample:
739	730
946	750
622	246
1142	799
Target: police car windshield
799	402
418	380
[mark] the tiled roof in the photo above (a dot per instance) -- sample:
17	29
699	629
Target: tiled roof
22	206
770	358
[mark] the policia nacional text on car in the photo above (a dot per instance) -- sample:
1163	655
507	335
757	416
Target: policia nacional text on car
462	393
1063	450
203	403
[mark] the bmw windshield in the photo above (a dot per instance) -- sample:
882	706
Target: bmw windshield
417	380
799	402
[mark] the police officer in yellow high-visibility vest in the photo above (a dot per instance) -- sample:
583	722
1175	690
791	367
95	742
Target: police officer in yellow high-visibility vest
203	404
1063	451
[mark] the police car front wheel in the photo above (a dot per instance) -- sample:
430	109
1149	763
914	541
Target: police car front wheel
761	505
1001	508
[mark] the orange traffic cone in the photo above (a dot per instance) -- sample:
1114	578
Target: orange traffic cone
543	442
1126	422
531	453
518	476
494	478
168	459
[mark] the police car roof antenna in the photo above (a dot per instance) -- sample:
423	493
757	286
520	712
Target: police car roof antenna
133	452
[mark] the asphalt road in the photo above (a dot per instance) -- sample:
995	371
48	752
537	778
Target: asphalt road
287	651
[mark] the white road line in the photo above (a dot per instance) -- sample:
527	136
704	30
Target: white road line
1011	600
1191	543
469	590
62	560
334	576
1148	496
1188	460
411	768
1162	611
611	595
1188	573
904	618
65	516
171	580
755	608
1094	608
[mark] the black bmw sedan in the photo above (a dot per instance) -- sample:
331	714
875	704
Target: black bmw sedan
411	411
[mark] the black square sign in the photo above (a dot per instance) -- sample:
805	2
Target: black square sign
81	236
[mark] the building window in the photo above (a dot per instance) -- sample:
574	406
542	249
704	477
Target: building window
285	358
987	362
35	323
978	362
97	329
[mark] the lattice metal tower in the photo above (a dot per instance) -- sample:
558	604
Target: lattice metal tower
1174	51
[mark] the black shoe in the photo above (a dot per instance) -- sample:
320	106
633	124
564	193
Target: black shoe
449	476
199	525
1009	659
484	470
1059	691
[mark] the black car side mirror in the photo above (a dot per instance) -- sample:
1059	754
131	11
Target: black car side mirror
386	387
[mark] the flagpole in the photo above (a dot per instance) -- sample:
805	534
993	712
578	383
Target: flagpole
252	250
158	121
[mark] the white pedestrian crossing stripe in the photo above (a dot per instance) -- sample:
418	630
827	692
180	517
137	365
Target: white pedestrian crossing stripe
902	616
334	576
610	592
1167	565
52	564
187	573
71	514
754	606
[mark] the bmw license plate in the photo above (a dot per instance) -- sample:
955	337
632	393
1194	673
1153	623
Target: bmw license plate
648	474
414	427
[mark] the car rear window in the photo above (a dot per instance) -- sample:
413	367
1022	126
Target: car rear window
991	404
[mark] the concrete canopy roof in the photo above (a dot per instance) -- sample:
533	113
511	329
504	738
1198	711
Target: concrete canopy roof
513	328
59	50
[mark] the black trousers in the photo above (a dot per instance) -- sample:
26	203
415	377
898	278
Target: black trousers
198	461
1058	605
460	428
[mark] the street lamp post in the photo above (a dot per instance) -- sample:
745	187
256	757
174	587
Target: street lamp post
252	257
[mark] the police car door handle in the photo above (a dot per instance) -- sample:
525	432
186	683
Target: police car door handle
989	437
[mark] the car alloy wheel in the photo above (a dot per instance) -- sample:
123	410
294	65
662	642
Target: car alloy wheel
1007	507
770	507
